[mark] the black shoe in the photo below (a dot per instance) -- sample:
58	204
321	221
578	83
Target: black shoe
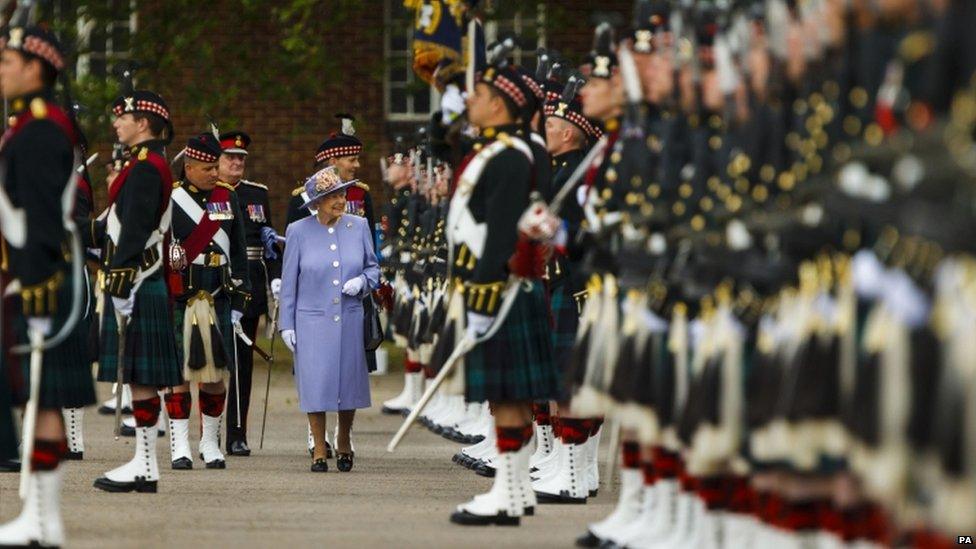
108	411
10	466
217	464
238	448
484	470
126	431
588	540
140	485
183	464
560	498
344	462
593	493
393	411
465	518
320	466
74	456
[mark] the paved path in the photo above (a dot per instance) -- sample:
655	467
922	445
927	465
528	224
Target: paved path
271	500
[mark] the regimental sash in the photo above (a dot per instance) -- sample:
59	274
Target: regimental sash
461	226
157	238
207	226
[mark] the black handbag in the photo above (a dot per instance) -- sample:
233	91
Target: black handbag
372	328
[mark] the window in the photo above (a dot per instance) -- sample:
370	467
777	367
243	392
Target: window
407	97
104	39
528	23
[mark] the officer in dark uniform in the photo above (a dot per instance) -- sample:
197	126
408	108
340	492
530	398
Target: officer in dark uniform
264	273
342	149
211	295
38	153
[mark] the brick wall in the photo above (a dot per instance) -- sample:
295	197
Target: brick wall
285	134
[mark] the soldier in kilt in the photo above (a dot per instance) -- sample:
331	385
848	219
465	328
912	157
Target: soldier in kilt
211	293
38	152
566	456
138	218
264	273
513	368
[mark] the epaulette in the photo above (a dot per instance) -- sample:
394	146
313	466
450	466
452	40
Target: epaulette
38	108
363	186
177	184
227	186
298	191
254	184
505	138
143	153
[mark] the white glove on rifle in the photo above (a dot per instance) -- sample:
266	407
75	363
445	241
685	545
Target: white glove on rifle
235	317
353	286
478	324
124	306
39	324
288	336
276	287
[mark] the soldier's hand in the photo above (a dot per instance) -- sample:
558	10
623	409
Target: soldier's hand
276	288
124	306
235	317
39	324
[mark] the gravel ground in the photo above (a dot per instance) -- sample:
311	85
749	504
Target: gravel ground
271	499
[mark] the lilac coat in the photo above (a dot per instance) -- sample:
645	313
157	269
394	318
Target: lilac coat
330	358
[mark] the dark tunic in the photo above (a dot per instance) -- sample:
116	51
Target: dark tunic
37	157
256	213
150	350
516	364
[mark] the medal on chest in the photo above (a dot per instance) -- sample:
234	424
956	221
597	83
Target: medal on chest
356	207
220	211
256	213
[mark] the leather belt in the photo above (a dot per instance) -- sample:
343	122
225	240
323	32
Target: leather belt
210	259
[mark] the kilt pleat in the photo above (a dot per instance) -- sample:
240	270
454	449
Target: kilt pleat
516	364
66	377
565	323
150	352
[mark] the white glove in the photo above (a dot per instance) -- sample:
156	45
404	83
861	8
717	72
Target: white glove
478	324
276	287
39	324
353	286
235	317
452	104
288	336
124	306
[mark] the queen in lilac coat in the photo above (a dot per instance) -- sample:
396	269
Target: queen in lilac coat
321	260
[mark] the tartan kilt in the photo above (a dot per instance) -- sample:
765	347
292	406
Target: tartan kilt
150	350
516	364
222	307
66	374
565	322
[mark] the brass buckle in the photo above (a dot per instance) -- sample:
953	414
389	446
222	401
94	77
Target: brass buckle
213	259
